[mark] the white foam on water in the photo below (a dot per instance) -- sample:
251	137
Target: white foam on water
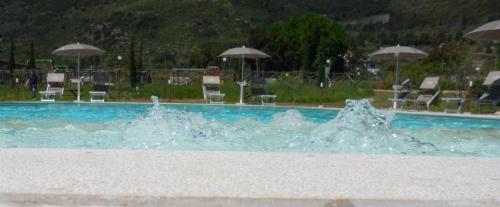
358	128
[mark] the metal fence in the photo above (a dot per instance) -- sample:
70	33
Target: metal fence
175	76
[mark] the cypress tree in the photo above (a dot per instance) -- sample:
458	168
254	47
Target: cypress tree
131	65
12	63
139	60
32	63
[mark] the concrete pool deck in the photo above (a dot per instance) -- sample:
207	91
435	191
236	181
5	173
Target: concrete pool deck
176	178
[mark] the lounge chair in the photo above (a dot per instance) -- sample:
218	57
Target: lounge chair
258	90
458	100
428	92
404	91
101	83
492	96
55	87
212	90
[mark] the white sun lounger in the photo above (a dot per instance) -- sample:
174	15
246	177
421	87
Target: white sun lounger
404	91
492	96
457	101
55	87
429	92
258	89
212	90
101	83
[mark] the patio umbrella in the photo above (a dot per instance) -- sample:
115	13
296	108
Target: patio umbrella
242	53
78	50
489	31
398	53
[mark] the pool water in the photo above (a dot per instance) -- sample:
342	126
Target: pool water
357	129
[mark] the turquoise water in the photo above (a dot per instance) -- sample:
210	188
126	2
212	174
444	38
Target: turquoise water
110	112
358	129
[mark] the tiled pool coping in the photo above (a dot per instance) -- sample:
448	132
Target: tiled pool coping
186	178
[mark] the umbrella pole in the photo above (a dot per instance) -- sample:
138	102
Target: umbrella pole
242	78
397	70
396	82
78	74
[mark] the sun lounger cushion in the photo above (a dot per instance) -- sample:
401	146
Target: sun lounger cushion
429	83
493	78
55	78
211	80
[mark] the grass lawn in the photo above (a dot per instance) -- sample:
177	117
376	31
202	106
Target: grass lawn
288	94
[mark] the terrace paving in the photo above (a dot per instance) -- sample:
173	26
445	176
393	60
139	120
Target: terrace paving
64	177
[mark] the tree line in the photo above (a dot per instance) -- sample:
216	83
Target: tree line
302	43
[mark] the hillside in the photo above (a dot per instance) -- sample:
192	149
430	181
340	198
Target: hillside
181	32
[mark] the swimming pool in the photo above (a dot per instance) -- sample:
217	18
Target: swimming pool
357	129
